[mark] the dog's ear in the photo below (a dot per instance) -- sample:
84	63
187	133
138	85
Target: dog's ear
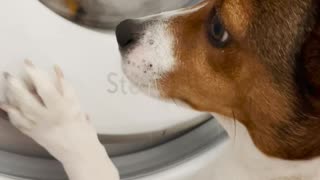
311	60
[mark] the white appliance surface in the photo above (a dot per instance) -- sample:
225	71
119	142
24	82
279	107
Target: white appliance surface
91	62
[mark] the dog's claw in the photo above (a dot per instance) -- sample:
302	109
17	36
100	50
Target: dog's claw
4	107
6	75
58	72
60	77
28	62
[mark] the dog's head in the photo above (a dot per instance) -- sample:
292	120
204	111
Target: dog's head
257	61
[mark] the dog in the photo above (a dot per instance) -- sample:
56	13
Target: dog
255	65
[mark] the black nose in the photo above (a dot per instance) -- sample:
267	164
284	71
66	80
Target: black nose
128	32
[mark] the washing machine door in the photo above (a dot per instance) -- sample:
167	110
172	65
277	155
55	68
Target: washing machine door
91	62
136	130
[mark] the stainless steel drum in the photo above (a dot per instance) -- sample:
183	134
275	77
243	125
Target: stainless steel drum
108	13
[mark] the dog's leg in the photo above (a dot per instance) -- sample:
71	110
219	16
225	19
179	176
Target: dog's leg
50	113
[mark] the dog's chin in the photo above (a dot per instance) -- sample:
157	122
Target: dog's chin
149	59
147	88
144	80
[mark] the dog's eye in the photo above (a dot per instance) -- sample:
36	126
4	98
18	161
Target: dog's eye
217	32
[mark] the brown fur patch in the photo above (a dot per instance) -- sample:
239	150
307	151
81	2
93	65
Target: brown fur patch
237	15
260	77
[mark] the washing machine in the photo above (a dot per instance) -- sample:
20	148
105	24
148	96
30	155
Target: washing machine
146	138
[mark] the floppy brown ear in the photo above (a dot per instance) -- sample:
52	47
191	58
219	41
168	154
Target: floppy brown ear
311	60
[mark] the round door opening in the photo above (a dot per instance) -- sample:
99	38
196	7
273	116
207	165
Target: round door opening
106	14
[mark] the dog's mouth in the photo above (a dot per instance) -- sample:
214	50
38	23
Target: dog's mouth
141	74
150	88
147	53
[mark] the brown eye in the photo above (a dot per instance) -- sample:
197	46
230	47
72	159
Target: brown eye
218	35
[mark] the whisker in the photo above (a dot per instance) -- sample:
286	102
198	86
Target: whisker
235	126
173	101
149	89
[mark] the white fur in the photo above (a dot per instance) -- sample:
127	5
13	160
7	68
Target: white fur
156	48
241	160
150	59
58	124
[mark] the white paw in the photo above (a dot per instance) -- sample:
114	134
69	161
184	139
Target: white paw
48	111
